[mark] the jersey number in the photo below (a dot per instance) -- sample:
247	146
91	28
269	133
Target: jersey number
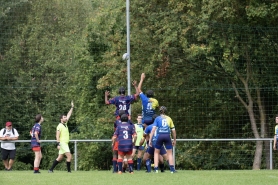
164	123
122	107
149	106
125	134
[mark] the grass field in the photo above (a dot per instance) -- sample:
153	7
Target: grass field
227	177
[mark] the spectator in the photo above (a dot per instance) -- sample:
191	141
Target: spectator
8	149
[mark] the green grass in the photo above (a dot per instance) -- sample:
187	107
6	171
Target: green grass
214	177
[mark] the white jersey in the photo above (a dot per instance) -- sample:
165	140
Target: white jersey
8	145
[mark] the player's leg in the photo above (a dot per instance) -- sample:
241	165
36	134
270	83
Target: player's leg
120	161
163	156
145	159
63	149
56	162
129	161
139	157
68	161
150	153
134	151
168	146
158	145
156	158
114	161
38	157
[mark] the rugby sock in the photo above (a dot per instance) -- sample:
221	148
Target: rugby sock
172	168
68	166
130	165
36	169
120	164
54	164
161	166
114	164
139	163
156	169
148	165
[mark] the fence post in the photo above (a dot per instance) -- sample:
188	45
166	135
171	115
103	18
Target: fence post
75	155
270	154
174	156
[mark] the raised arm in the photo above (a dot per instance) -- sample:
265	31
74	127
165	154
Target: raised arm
141	82
106	94
70	111
134	83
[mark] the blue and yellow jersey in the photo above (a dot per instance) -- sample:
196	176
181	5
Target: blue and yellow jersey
148	131
148	106
164	124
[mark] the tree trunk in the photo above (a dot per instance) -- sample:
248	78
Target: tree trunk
267	154
258	155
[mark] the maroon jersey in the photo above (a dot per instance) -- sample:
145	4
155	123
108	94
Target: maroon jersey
122	103
124	133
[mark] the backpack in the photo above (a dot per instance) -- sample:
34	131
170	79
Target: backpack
5	131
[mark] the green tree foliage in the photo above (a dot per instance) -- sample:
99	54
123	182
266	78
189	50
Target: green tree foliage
206	61
39	62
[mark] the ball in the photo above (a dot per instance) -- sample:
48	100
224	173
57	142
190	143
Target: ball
125	56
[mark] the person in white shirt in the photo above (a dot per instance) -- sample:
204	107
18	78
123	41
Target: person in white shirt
8	148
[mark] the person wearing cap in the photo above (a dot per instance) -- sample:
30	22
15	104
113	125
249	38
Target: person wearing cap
8	149
122	102
149	104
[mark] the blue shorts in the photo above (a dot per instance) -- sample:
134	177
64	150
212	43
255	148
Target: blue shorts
139	147
164	139
147	122
150	150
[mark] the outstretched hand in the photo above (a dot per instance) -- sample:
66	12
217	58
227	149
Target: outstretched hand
134	83
107	93
72	105
143	76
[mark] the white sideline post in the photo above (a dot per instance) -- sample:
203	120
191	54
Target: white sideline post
75	155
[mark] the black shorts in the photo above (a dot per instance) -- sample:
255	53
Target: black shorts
7	154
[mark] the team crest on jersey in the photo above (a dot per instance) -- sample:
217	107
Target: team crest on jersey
125	127
122	101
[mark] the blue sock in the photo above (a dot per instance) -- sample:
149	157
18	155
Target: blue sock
148	165
120	166
130	165
115	165
139	163
172	168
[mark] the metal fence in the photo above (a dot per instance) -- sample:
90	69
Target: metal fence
178	140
